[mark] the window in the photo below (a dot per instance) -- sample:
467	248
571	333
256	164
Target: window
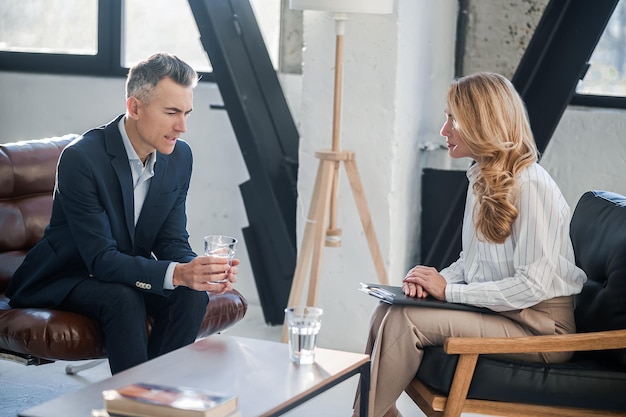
30	26
163	18
150	26
604	83
106	37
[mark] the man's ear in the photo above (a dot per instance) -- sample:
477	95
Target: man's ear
132	107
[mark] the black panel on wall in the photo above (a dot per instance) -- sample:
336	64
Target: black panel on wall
443	200
268	140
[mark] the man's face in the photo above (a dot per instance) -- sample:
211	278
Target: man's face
160	122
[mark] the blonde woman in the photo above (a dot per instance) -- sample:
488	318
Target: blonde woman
517	257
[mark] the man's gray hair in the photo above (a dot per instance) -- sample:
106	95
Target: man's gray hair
145	75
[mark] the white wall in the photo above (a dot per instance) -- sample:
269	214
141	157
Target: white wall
588	152
396	71
395	68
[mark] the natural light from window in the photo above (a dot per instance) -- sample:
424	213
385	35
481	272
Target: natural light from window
49	26
607	74
168	25
70	27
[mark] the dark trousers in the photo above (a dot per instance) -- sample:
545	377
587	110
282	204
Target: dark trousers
122	312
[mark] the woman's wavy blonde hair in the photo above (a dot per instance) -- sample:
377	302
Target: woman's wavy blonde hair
491	118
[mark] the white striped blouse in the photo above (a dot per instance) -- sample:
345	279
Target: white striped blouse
534	264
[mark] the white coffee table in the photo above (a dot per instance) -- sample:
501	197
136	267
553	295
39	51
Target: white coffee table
259	372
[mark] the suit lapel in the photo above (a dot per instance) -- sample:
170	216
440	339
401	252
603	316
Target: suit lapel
121	167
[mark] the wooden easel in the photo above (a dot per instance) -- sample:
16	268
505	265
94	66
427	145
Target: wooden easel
323	208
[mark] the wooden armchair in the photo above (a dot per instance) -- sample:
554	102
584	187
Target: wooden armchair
461	376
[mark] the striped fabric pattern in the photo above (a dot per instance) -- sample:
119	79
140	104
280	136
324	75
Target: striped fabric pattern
534	264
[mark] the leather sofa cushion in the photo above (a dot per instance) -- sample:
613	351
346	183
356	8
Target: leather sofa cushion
27	173
49	334
62	335
571	384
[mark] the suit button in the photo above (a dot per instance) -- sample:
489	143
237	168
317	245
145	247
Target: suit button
143	285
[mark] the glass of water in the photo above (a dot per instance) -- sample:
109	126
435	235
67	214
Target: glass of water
303	325
222	247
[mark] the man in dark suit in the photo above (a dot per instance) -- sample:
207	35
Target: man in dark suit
117	248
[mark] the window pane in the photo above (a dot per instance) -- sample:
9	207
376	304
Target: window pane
267	14
607	74
51	26
151	26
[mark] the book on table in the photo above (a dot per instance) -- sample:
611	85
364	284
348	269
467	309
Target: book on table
152	400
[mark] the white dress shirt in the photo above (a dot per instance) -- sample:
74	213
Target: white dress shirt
535	263
142	176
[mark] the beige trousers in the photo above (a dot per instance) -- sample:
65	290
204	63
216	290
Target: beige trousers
398	334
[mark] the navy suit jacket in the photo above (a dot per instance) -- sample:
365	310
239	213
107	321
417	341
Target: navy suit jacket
92	233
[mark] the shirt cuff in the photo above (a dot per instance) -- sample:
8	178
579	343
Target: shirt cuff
451	295
168	282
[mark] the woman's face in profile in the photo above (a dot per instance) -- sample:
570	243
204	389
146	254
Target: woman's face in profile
457	147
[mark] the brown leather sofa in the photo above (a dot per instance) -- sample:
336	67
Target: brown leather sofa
39	335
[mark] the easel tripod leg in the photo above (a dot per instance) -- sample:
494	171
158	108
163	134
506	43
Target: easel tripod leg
320	230
366	219
313	238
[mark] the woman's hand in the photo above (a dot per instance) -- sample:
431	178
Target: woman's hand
421	281
413	290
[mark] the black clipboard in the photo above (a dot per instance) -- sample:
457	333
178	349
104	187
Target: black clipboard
394	295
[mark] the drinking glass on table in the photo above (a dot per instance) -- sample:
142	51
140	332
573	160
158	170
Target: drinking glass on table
220	246
303	325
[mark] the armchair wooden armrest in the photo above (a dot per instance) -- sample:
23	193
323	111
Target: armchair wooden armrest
469	348
610	339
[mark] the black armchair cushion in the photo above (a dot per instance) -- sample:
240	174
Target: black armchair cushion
585	384
598	232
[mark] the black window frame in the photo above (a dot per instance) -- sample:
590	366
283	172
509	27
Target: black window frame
105	63
590	100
